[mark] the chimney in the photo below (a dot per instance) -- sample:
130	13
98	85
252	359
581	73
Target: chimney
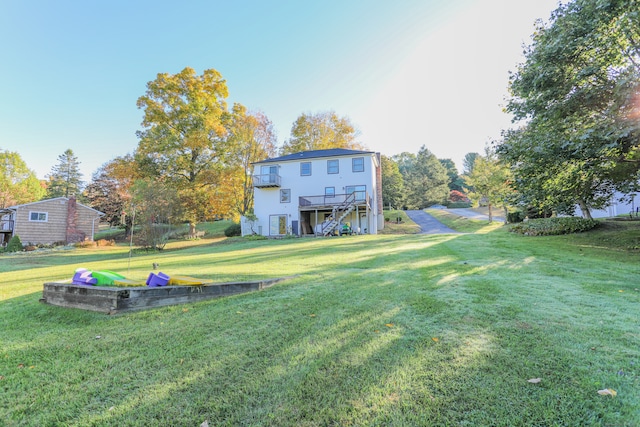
379	184
73	234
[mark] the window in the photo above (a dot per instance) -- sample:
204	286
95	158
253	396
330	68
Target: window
38	216
330	191
357	164
360	190
285	196
333	166
268	174
277	225
305	169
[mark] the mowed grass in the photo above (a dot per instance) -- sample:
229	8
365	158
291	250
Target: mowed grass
370	330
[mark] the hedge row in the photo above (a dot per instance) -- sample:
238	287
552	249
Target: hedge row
554	226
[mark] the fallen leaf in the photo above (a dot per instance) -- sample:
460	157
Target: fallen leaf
184	310
534	380
98	337
20	366
205	424
1	377
312	315
377	331
389	325
435	339
31	367
620	290
607	391
238	312
112	408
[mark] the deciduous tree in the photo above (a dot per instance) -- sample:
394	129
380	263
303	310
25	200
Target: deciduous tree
393	191
252	138
321	131
184	141
109	190
491	181
18	184
578	98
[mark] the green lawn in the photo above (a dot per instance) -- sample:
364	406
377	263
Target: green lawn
373	330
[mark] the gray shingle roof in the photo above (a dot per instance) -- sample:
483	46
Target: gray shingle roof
314	154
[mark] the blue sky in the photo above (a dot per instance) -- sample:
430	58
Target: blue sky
407	73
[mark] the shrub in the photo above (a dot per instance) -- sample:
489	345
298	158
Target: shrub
105	242
554	226
85	244
233	230
457	196
15	244
514	217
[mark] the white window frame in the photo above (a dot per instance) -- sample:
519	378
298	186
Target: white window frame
333	166
285	195
275	225
39	216
360	167
301	169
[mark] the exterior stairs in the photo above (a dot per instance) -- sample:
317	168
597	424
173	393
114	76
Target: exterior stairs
339	213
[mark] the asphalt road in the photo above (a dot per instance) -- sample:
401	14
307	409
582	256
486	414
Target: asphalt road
428	224
468	213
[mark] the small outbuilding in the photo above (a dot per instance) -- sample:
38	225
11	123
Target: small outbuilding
49	221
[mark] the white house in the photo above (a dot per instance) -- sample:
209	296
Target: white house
617	206
317	193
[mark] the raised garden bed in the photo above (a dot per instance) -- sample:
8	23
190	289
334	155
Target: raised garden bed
112	300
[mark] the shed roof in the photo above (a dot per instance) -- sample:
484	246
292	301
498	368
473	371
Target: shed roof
13	208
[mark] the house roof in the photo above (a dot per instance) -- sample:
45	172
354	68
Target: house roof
13	208
314	154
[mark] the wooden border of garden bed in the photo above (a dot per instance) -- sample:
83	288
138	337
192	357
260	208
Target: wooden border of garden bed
113	300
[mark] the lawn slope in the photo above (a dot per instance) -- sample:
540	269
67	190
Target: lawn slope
372	330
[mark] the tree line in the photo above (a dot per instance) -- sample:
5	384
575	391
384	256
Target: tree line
575	101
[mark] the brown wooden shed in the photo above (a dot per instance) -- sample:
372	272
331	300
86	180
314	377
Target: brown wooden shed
49	221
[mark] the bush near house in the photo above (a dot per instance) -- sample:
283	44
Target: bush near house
14	245
554	226
233	230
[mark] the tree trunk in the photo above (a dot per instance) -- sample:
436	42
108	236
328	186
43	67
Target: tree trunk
585	209
490	213
506	214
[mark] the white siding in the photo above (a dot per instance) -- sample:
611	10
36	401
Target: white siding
267	200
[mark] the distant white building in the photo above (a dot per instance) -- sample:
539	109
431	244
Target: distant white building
615	208
319	192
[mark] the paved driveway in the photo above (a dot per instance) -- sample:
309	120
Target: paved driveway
468	213
428	224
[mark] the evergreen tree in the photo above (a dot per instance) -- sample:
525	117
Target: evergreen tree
65	178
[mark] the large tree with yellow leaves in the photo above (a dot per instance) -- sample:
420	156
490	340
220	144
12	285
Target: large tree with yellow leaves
184	140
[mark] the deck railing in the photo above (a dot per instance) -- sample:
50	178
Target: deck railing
360	197
6	225
266	180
